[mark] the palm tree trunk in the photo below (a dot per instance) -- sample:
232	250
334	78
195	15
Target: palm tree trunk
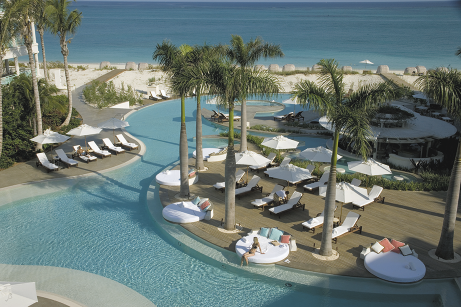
183	152
243	125
198	137
1	107
41	31
445	248
69	92
229	175
326	245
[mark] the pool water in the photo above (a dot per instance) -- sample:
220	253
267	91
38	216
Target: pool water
102	225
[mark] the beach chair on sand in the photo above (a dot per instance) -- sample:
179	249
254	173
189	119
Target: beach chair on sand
85	156
297	117
98	151
294	202
252	186
153	95
283	117
374	196
269	199
64	159
271	157
108	144
221	186
43	161
348	226
124	143
164	95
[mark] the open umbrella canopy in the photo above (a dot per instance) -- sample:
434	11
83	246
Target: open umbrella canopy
17	294
346	192
50	137
366	62
370	167
280	142
84	130
290	173
318	154
113	123
250	158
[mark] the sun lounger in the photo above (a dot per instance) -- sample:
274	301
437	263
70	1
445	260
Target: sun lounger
64	159
43	161
271	157
252	186
154	96
315	222
348	226
215	115
374	196
285	161
83	154
292	203
221	186
266	201
108	144
225	117
98	151
356	182
298	116
315	185
283	117
124	143
164	95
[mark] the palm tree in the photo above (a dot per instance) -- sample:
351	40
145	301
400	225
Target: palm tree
41	21
62	22
172	60
444	88
246	56
9	29
349	115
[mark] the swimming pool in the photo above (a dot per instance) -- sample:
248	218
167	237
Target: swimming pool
102	225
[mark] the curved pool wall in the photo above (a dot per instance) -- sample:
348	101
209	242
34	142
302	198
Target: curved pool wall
101	224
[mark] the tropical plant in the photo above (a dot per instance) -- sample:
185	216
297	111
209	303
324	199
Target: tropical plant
41	21
348	115
246	55
443	87
62	22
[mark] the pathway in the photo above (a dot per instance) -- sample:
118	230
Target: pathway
397	81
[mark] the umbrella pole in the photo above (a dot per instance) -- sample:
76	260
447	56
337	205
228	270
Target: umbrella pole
247	174
341	214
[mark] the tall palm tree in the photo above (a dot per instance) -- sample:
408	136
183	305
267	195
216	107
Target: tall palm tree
173	61
41	21
9	30
444	88
246	56
349	115
62	22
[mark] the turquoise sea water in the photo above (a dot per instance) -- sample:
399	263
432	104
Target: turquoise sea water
395	34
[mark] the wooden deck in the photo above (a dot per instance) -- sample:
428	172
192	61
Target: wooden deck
412	217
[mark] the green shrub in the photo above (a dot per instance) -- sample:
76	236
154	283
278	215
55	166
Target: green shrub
105	94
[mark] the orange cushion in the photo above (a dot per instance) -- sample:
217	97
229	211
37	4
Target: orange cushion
396	244
205	204
285	239
387	245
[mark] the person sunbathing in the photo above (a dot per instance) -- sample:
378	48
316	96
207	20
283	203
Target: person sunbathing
252	251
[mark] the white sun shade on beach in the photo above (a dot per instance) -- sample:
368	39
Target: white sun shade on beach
370	167
84	130
290	173
366	62
250	158
318	154
17	294
280	142
50	137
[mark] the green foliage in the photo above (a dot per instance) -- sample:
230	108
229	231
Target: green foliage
305	125
82	67
104	94
150	80
267	128
107	68
57	64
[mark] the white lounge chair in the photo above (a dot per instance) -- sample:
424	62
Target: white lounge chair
252	186
374	196
356	182
315	222
225	117
85	156
315	185
43	161
164	95
153	95
124	143
271	157
64	159
285	161
221	186
269	197
283	117
293	202
111	147
98	151
347	227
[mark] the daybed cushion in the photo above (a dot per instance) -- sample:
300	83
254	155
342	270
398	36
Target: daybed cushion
196	200
285	239
275	234
188	214
387	245
272	254
405	250
377	248
264	232
397	244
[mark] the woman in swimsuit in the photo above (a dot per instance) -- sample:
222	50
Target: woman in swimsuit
252	251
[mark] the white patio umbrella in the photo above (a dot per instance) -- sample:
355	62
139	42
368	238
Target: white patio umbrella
366	62
17	294
113	123
249	158
318	154
84	130
370	167
50	137
346	193
290	173
280	142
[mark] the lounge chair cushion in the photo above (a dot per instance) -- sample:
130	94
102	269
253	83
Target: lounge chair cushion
405	250
264	232
285	239
275	234
377	248
396	245
203	203
196	200
387	245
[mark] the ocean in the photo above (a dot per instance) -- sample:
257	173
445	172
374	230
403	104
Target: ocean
399	35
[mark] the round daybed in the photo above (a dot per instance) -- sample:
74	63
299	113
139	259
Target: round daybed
271	254
183	212
395	267
173	178
206	152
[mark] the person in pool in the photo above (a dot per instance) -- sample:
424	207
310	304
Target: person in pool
252	251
